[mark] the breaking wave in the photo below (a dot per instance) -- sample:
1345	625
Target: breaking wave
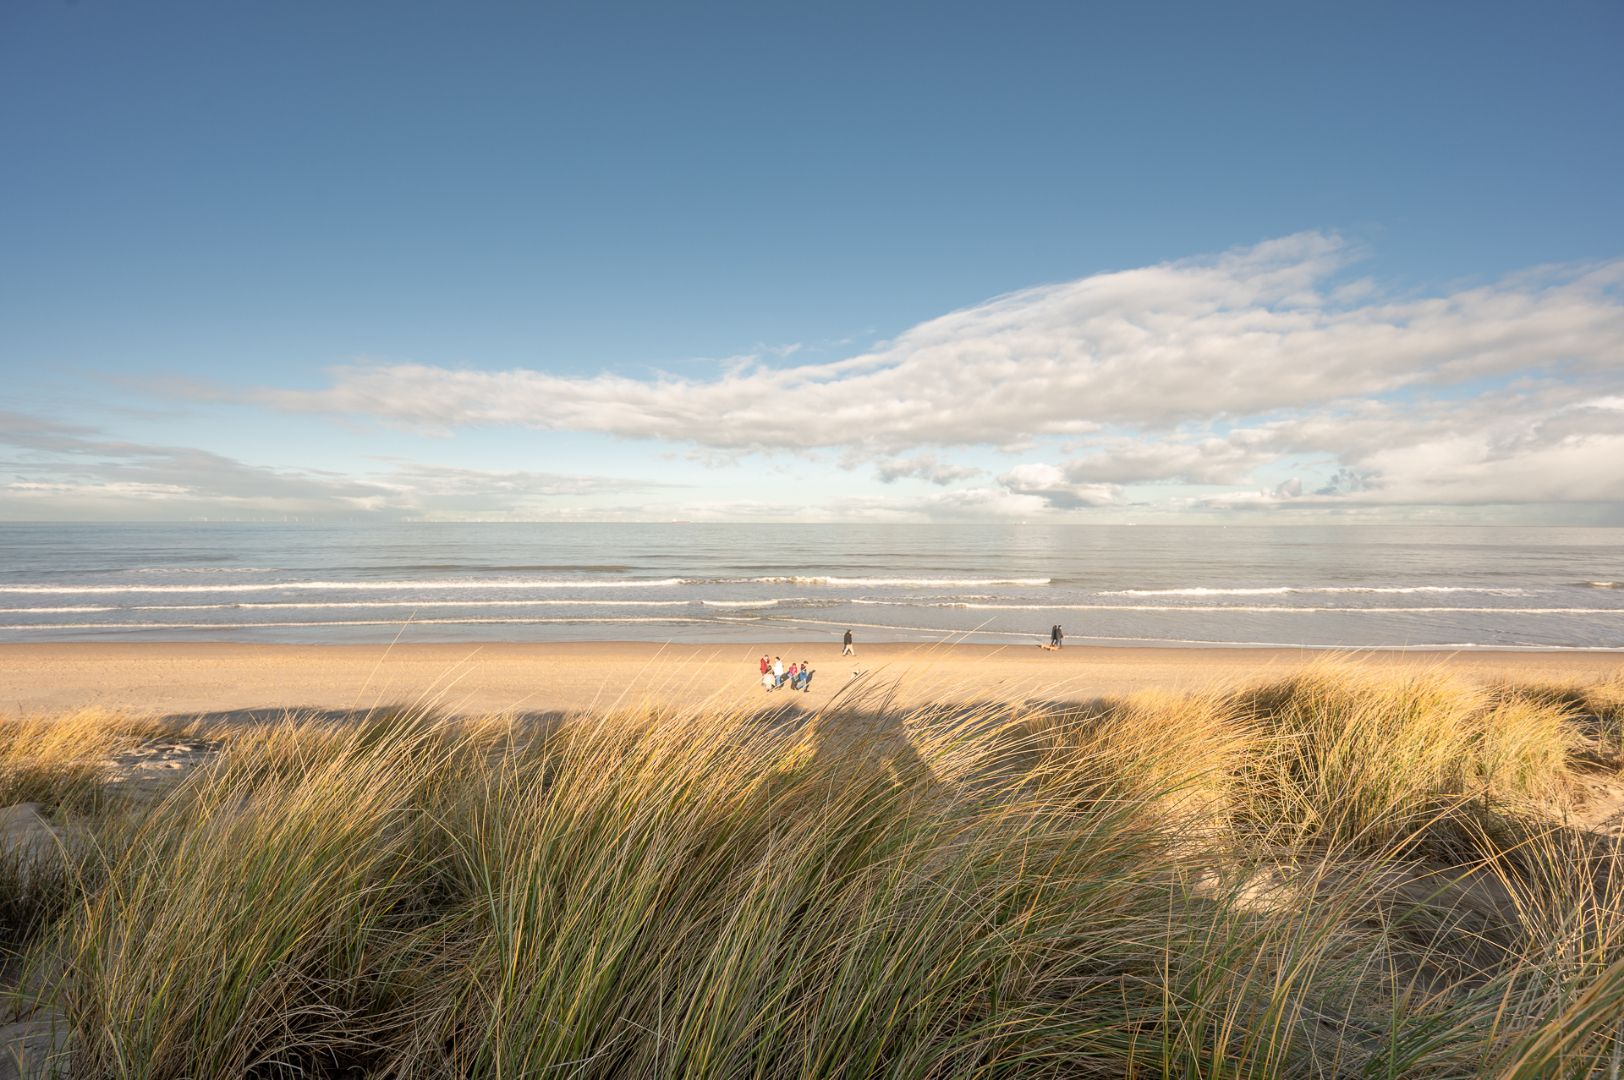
870	582
481	621
440	584
205	570
1189	609
1281	590
347	586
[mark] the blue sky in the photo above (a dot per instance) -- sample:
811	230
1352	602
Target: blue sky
746	261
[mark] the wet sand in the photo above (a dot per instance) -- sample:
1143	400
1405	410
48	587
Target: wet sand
231	680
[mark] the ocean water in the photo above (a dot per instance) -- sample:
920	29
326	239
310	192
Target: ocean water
1333	586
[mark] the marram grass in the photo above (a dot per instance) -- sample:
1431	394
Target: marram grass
1332	876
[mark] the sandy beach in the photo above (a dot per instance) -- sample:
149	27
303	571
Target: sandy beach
227	680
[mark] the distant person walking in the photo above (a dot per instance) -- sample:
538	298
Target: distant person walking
1056	636
766	664
778	671
848	650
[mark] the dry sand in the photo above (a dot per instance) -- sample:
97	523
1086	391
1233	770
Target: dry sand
226	680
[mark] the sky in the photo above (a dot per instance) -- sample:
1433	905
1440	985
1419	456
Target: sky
754	262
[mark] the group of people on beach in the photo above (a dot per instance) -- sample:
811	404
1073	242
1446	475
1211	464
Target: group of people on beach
797	676
775	675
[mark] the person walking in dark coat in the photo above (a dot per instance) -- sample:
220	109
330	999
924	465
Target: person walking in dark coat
1056	636
847	649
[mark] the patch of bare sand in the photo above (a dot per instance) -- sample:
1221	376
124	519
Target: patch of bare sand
146	772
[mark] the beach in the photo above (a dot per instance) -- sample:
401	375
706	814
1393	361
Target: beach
239	680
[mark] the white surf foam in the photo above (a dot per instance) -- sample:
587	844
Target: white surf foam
343	586
340	605
1284	608
1182	609
828	581
1280	590
204	570
320	623
872	582
74	608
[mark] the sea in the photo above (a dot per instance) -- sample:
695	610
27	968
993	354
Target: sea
1344	586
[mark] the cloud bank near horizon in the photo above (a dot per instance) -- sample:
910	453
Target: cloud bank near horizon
1263	377
76	472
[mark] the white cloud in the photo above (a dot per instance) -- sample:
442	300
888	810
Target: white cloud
1201	460
923	467
1542	444
1056	489
1251	332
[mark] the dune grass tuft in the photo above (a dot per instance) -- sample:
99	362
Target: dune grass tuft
1596	708
60	761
